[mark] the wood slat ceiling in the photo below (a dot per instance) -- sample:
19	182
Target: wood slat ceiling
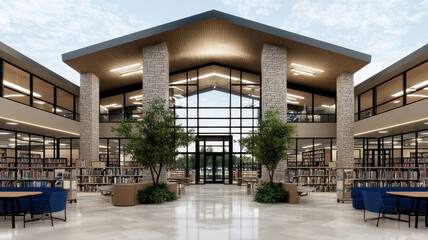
219	41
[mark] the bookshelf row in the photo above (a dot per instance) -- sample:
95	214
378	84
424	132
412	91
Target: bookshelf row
415	160
324	179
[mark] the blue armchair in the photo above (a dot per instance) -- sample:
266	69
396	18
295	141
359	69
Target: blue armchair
373	202
57	202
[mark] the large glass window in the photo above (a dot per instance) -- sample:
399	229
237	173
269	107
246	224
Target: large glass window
16	84
299	106
43	95
65	103
389	95
133	104
324	109
366	104
111	108
417	83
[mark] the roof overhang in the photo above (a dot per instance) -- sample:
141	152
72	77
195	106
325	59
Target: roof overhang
218	37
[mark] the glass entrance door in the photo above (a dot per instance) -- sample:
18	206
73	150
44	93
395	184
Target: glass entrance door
213	154
214	168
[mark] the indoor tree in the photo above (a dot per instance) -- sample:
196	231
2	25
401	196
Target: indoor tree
270	142
153	141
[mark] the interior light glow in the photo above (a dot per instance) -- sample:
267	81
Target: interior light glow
13	95
304	72
396	101
137	97
383	131
126	67
296	96
12	123
411	89
129	70
212	75
138	103
175	87
39	102
417	95
4	133
306	67
292	102
40	126
327	106
391	126
309	146
112	105
19	88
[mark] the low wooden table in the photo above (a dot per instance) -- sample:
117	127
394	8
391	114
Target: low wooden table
11	197
415	196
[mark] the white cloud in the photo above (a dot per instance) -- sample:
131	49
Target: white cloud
379	28
43	30
249	8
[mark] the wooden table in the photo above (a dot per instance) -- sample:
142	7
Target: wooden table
11	197
415	196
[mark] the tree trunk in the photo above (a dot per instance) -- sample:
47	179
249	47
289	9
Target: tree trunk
158	174
152	174
271	173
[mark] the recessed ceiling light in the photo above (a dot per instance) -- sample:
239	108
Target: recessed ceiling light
4	133
397	101
383	131
426	123
306	67
11	123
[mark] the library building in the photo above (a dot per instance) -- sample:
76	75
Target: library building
356	167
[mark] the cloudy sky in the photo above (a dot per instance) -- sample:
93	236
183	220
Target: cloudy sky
45	29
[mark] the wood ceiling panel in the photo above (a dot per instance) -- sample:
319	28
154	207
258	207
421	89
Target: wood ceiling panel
215	40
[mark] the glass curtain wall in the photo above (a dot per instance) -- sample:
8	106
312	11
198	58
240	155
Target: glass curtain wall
216	101
26	88
406	88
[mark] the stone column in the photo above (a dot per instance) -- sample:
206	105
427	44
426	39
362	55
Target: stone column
89	117
274	92
345	120
155	84
155	74
344	125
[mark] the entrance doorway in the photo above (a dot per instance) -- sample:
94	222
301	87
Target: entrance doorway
213	164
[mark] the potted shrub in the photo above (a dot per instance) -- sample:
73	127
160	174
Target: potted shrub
153	142
269	145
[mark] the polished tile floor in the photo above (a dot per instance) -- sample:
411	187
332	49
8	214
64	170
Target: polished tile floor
217	212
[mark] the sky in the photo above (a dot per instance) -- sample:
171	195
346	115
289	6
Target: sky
45	29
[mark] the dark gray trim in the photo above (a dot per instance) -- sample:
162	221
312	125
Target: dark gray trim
20	58
1	78
222	16
377	78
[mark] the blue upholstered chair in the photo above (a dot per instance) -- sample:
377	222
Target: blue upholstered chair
373	202
57	203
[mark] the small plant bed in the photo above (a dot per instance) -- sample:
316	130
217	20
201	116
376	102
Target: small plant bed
271	192
156	194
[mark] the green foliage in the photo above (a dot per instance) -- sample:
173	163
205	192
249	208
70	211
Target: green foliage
270	192
153	141
156	194
269	144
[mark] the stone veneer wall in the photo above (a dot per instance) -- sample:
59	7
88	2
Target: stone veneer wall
345	120
89	117
274	92
155	84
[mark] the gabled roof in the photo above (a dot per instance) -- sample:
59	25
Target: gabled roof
222	16
215	36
